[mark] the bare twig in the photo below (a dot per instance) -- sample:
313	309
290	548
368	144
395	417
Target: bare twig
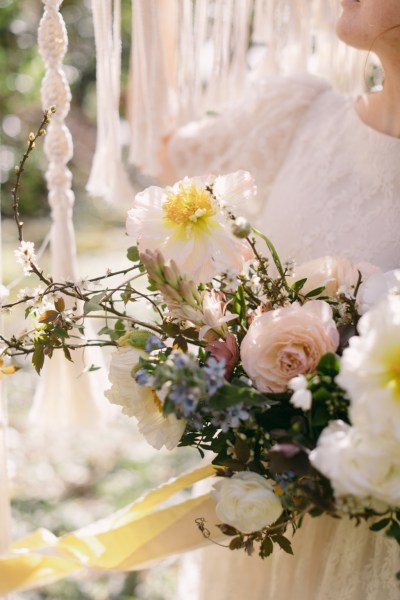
19	169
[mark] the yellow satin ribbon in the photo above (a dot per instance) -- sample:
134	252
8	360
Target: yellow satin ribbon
130	539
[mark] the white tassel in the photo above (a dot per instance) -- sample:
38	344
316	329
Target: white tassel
205	62
239	46
61	399
151	110
108	178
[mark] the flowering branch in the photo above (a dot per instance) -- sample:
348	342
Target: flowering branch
19	169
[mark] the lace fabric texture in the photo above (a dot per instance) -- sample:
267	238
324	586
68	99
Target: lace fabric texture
328	184
332	560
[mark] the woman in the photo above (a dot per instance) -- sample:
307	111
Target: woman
327	168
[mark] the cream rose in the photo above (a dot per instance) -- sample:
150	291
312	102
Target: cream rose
246	501
358	463
335	273
287	342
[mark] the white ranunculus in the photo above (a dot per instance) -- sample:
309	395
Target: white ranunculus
186	224
376	288
358	463
301	397
370	370
141	402
286	342
246	501
335	273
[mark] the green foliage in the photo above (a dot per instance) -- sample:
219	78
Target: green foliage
20	104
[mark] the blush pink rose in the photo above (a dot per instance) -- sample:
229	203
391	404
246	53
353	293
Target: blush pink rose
287	342
335	273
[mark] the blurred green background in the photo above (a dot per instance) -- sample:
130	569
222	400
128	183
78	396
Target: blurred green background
63	482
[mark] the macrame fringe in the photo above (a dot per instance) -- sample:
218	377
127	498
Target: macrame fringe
108	178
189	58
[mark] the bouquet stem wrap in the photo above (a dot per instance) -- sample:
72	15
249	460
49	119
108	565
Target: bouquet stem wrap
128	540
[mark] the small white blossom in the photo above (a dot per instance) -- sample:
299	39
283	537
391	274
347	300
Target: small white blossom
25	255
302	397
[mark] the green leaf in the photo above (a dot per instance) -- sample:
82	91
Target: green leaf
119	328
170	329
67	354
315	292
242	450
266	548
92	368
227	529
320	417
126	295
329	365
38	358
394	531
133	254
105	331
284	543
229	395
236	543
298	285
380	524
61	333
93	305
180	343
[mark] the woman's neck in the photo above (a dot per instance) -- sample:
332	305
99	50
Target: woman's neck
381	110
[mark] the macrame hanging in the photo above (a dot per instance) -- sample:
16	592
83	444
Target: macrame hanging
108	178
65	395
189	58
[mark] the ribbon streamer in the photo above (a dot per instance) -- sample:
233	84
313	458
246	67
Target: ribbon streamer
128	540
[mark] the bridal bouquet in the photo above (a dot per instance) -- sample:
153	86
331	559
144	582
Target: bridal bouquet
289	374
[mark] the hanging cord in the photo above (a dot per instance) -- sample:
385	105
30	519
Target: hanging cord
192	58
108	178
61	399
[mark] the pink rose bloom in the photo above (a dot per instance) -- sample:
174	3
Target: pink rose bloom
336	273
287	342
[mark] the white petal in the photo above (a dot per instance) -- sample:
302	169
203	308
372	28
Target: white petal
235	188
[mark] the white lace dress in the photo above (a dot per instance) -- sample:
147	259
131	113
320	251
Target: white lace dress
328	184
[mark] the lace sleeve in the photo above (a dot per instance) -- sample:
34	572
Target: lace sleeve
255	135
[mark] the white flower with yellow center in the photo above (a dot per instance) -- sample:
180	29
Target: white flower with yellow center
186	223
370	370
141	402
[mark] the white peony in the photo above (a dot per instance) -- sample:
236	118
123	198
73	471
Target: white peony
358	463
376	288
370	370
141	402
286	342
246	501
186	224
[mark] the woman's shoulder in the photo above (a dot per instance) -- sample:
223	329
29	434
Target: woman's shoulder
295	91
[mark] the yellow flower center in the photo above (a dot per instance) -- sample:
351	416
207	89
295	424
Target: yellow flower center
392	372
189	205
157	401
